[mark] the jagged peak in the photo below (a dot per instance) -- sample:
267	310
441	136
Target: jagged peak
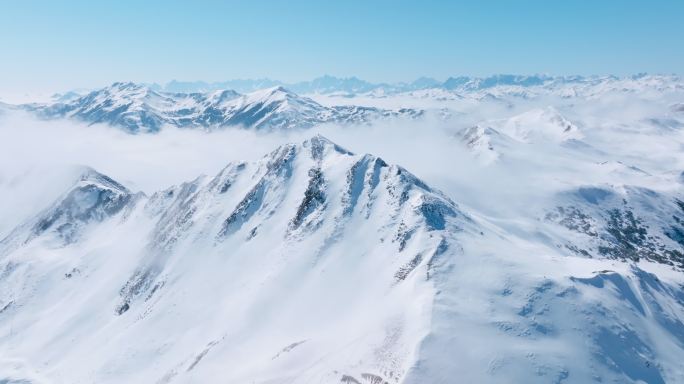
272	91
89	175
223	95
127	87
320	146
278	88
92	197
117	93
407	177
277	158
276	94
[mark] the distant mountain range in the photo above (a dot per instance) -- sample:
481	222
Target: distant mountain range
139	108
269	105
331	84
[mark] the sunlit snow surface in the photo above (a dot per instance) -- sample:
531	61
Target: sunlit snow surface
515	233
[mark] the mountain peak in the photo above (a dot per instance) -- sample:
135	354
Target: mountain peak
222	95
92	198
320	146
277	89
127	86
91	176
273	94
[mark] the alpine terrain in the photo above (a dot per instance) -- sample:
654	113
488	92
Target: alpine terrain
534	232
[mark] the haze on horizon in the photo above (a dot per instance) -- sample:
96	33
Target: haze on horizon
52	46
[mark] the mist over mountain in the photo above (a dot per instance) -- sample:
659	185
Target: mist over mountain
342	192
139	108
144	108
503	229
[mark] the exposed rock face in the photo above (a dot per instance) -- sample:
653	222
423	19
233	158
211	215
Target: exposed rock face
631	224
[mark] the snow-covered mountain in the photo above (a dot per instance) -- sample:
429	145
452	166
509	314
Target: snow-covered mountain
139	108
484	142
265	251
489	140
315	264
147	108
539	124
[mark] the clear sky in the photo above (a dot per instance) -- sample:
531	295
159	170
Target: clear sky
70	44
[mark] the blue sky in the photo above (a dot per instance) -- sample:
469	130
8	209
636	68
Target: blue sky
67	44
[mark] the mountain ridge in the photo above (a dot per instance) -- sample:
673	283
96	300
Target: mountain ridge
139	108
353	85
330	266
295	218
